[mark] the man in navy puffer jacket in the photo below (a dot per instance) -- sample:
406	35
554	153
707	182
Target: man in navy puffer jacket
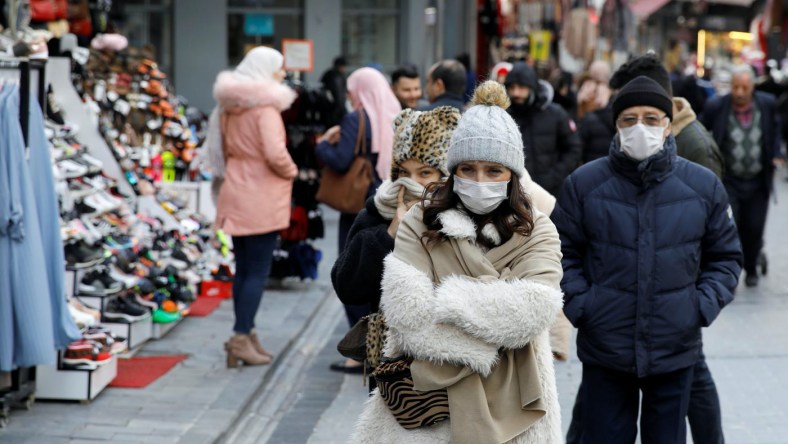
651	255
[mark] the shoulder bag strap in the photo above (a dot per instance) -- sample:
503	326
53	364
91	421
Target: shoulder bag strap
361	135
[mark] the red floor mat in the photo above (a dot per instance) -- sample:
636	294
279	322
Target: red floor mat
204	306
140	371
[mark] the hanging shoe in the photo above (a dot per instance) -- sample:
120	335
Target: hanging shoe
240	349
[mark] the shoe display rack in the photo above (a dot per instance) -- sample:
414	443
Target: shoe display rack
74	384
136	329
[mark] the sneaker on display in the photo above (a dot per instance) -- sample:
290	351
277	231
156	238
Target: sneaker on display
124	310
80	255
99	283
71	169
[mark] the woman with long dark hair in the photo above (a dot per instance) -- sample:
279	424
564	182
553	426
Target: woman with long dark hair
469	294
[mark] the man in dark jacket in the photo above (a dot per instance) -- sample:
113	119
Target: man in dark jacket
445	85
333	81
746	126
552	146
693	143
596	130
651	255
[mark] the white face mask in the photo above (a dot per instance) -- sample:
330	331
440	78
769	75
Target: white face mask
480	197
640	141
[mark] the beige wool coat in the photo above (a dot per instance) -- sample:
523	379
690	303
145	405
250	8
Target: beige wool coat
256	193
476	324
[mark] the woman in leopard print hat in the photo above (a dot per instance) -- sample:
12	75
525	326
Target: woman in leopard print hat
421	143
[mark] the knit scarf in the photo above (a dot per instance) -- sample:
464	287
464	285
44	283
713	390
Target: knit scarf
386	195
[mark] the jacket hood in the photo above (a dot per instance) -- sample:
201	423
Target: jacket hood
522	74
234	95
684	115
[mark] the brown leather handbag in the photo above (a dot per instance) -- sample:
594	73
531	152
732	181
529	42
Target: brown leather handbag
347	192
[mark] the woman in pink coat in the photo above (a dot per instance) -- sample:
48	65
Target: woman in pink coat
254	200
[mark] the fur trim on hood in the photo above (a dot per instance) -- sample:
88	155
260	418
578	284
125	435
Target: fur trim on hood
234	94
684	115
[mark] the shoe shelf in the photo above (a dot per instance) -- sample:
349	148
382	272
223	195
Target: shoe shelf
73	384
136	333
160	330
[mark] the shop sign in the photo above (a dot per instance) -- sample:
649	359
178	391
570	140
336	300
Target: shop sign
540	45
259	24
298	55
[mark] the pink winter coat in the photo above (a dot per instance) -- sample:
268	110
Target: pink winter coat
258	181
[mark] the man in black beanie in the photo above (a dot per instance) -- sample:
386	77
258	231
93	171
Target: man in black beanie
694	143
650	255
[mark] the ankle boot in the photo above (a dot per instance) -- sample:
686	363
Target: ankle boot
258	345
240	348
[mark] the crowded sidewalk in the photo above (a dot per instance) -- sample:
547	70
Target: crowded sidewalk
299	400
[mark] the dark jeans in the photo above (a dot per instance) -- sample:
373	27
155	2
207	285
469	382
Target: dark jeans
750	204
353	312
611	400
253	257
705	414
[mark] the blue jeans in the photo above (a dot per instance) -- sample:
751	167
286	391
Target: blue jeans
253	257
704	415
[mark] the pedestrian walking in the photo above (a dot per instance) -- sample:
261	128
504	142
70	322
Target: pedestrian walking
694	143
252	156
421	140
333	81
651	255
552	145
469	293
373	101
745	125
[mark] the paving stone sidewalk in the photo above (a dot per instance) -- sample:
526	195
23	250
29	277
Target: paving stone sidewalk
746	349
199	399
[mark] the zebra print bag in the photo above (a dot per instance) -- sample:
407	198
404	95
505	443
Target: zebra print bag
412	409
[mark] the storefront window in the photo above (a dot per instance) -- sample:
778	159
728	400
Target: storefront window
370	32
149	23
253	23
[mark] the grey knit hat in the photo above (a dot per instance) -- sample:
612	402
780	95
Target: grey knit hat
487	133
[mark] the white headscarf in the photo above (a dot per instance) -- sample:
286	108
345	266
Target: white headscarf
259	64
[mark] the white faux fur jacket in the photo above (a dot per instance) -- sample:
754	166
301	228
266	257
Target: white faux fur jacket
446	323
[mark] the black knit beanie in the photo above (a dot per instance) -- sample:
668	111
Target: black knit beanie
642	92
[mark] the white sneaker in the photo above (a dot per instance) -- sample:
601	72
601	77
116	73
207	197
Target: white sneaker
70	169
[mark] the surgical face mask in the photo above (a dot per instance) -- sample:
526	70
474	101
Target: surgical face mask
641	141
480	197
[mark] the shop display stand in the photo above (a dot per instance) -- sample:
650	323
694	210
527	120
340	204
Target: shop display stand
73	384
160	330
136	333
21	394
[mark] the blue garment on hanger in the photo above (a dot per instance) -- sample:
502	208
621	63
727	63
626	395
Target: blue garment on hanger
40	167
30	331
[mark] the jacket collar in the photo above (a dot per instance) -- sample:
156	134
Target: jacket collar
684	117
647	172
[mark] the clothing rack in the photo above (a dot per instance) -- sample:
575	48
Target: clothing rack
25	67
21	393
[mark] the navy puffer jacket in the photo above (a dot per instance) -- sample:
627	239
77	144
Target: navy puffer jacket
651	255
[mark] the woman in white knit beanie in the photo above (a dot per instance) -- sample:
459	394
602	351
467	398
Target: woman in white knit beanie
469	293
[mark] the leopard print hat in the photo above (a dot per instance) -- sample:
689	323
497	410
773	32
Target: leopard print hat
424	137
